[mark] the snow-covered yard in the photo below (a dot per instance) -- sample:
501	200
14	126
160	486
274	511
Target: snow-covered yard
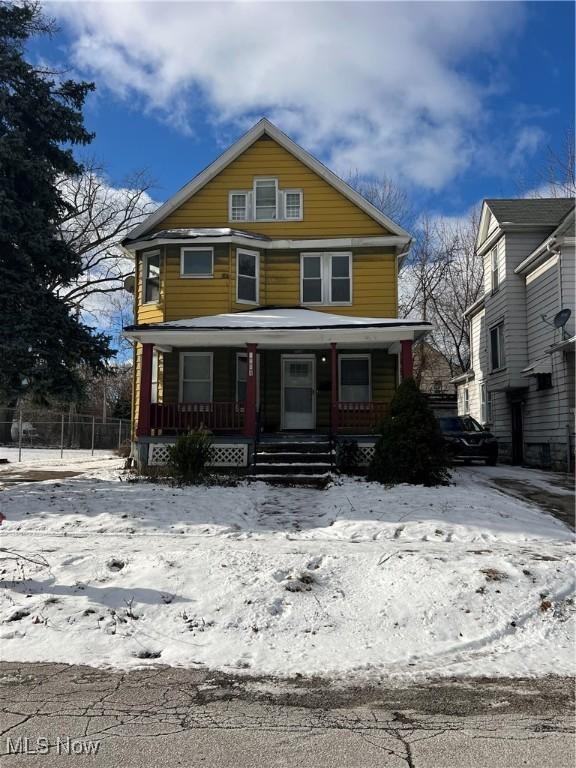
354	581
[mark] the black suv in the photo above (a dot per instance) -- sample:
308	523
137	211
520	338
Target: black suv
466	439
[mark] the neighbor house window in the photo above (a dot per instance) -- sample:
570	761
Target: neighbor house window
292	204
466	401
497	347
265	199
247	276
437	387
354	378
154	392
151	277
326	278
197	262
241	367
196	377
490	407
483	418
239	206
495	269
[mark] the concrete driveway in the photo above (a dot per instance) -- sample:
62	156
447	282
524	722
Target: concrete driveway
56	715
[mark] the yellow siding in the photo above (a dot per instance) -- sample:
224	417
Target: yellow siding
151	312
194	297
327	213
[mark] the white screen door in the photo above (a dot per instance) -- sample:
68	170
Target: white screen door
298	393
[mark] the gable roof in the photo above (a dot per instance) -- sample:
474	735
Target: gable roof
548	211
262	127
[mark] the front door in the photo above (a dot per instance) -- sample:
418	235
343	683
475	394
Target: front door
298	392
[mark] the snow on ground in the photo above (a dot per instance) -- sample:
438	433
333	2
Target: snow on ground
50	458
354	581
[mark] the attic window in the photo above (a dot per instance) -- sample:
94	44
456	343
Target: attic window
265	199
293	204
239	206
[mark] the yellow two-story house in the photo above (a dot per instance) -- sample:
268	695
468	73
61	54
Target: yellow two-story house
266	304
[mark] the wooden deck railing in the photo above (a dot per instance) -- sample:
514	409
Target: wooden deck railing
354	417
182	417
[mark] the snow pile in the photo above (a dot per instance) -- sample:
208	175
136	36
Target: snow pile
356	580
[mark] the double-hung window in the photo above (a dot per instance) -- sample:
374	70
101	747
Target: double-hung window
466	401
239	206
354	378
247	276
151	277
495	269
196	377
197	262
292	204
497	356
154	389
483	404
265	199
326	278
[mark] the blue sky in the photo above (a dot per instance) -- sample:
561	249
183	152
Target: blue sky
457	101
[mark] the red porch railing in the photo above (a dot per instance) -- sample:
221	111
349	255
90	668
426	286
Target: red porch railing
353	417
182	417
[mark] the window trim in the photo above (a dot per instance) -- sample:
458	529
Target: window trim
255	198
483	402
145	256
155	376
489	406
237	380
246	194
494	257
186	248
181	375
300	194
257	255
501	351
466	400
326	278
355	356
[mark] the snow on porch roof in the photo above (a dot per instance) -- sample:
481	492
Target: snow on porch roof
276	326
274	318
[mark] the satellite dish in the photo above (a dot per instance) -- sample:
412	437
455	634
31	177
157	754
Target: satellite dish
130	281
562	317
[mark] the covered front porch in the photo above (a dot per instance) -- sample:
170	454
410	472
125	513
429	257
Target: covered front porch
272	371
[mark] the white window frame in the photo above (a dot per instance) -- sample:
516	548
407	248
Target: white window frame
483	402
298	192
245	354
188	248
247	197
248	253
499	328
183	355
326	278
466	401
494	269
145	256
258	179
364	356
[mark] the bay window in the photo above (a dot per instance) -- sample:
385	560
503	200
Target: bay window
247	276
197	262
151	277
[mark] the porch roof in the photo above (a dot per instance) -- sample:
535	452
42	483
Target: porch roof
278	327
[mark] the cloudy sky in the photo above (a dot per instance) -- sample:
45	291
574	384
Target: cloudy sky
455	100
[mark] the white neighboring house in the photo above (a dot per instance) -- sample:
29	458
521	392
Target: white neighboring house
521	377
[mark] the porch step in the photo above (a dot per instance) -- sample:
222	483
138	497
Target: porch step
292	469
294	480
293	457
306	446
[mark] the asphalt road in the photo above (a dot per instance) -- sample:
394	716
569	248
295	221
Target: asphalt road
55	715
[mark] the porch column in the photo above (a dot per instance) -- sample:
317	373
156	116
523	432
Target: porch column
406	361
333	387
145	390
250	404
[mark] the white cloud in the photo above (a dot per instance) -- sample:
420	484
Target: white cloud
378	87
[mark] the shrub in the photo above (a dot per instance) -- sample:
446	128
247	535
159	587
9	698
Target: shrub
124	449
410	448
187	459
347	456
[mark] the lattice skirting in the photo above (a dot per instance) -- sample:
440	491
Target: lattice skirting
225	454
366	451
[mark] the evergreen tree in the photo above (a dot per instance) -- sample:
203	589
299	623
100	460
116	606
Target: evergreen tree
43	341
410	448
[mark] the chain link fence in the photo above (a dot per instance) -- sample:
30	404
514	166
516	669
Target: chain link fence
29	430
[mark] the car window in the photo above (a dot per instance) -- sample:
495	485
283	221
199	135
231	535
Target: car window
459	424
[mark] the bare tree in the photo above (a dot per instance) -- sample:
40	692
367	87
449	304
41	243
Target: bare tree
100	217
386	195
556	177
